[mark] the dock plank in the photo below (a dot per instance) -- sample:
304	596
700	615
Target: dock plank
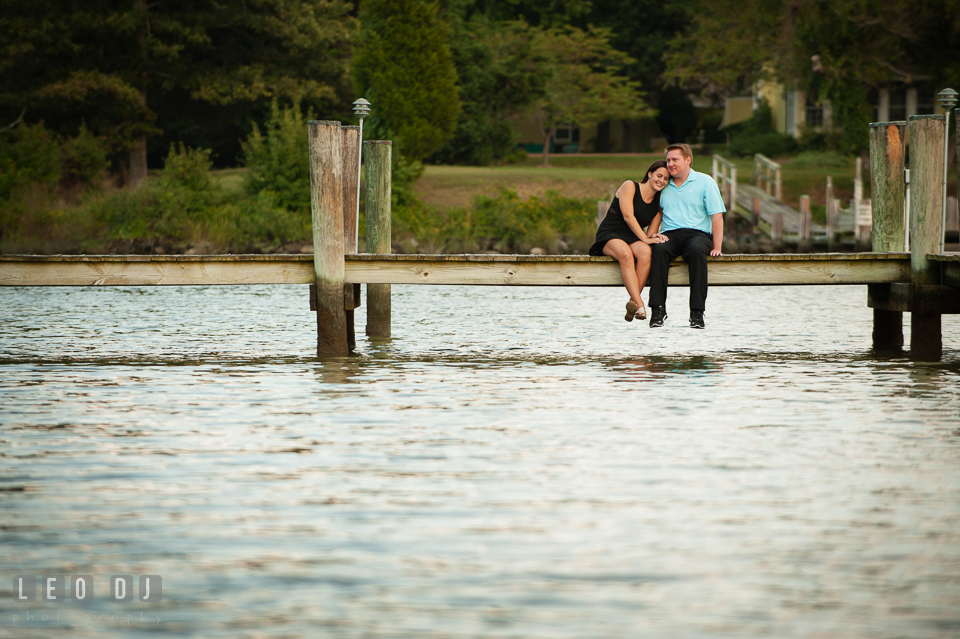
487	270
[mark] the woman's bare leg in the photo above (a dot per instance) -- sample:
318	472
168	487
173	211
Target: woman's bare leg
620	251
641	252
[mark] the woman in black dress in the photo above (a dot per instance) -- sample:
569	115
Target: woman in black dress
621	235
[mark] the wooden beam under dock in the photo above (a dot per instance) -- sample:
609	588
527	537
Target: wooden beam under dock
489	270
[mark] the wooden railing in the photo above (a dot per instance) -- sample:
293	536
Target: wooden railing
766	173
725	173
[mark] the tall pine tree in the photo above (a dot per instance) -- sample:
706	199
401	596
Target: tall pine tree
404	66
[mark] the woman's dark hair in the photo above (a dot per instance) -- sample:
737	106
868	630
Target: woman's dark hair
659	164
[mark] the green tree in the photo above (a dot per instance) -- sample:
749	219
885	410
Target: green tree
405	68
835	49
652	25
112	62
539	13
279	160
500	75
582	84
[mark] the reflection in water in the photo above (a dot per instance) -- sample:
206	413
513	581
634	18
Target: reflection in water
655	366
338	370
502	474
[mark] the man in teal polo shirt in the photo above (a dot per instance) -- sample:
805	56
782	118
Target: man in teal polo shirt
693	222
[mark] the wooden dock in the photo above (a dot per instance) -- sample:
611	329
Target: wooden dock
477	270
923	281
769	208
761	204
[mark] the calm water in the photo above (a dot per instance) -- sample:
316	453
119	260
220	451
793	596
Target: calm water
514	463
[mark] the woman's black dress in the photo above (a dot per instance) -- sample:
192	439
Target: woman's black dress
614	227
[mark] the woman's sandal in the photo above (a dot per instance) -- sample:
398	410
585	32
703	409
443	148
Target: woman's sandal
631	311
641	314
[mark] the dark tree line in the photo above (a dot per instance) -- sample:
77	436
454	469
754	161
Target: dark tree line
144	74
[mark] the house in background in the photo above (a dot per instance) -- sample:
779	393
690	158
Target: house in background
643	135
612	136
792	110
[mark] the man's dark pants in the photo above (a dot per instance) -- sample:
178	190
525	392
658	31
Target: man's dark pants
694	245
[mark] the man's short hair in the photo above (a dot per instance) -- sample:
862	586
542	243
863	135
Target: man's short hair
684	149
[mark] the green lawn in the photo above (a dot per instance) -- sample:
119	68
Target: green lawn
593	177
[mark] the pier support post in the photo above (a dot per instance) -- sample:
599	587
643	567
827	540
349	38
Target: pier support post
926	197
806	225
377	207
776	231
888	201
833	217
755	225
326	204
349	152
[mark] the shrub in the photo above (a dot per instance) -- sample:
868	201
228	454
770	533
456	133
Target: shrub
771	144
84	158
504	223
245	224
518	156
28	155
757	135
279	159
175	208
188	168
821	159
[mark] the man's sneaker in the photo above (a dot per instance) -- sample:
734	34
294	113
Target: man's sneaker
657	315
696	319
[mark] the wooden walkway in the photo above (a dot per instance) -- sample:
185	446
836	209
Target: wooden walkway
791	217
484	270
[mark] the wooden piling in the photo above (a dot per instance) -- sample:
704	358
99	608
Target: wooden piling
806	225
926	197
776	231
377	207
326	203
755	225
833	218
602	207
888	200
350	157
888	193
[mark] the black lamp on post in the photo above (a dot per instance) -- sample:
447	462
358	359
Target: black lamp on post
361	108
947	99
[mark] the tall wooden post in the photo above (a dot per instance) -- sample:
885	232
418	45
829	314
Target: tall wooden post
776	230
926	196
349	160
733	192
755	225
377	207
806	225
833	217
888	201
326	203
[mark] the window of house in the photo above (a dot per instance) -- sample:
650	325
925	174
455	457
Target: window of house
813	117
898	104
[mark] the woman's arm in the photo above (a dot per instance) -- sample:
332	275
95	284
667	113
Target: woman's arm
653	231
626	192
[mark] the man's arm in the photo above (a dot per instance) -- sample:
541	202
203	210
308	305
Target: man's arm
716	224
713	203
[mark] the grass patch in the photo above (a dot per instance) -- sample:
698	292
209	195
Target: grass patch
590	178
